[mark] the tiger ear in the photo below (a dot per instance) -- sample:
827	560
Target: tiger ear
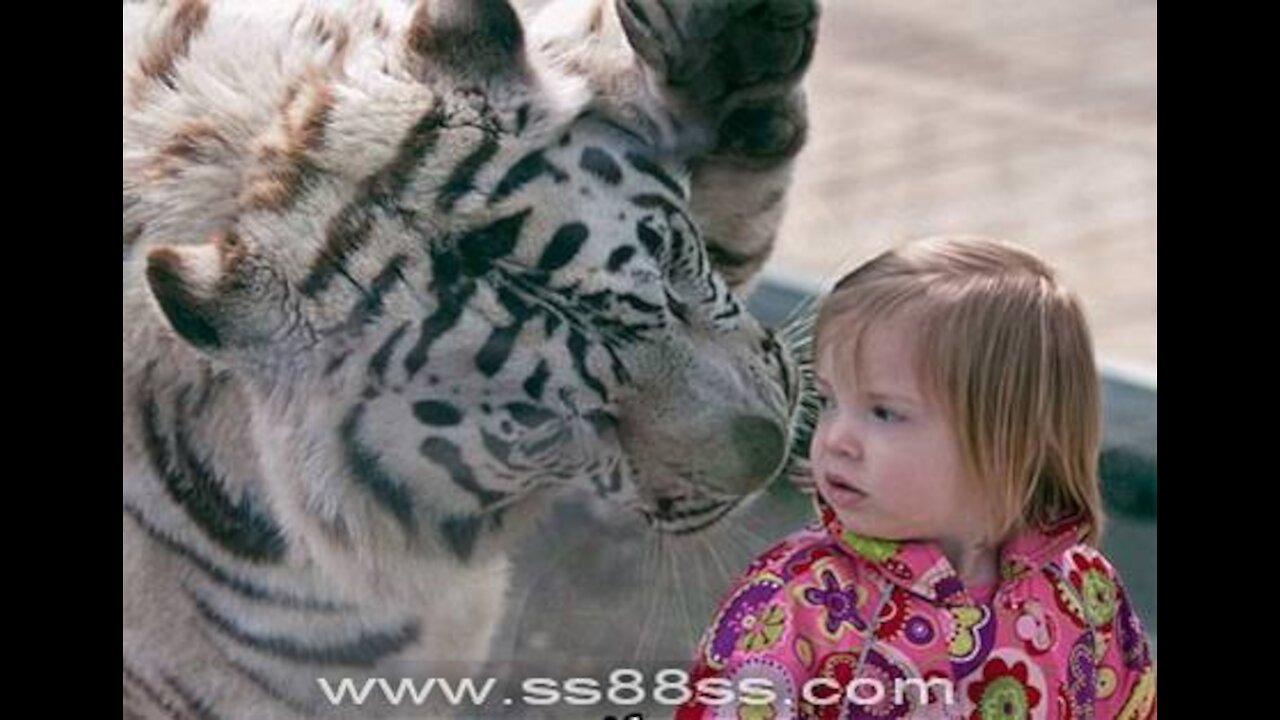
475	40
210	296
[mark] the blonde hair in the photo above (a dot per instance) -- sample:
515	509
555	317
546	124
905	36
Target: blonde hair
1005	350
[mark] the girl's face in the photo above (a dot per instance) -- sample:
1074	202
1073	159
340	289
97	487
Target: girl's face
884	455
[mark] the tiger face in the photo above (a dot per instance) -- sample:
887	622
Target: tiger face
446	279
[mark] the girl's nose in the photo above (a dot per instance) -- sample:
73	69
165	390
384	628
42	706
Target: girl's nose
842	438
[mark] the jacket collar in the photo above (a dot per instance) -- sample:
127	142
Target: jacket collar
921	568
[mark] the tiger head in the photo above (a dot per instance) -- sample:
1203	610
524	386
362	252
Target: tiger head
445	280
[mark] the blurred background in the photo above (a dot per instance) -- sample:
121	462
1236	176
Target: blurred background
1030	121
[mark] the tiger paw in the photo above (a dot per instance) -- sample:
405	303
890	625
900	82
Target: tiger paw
730	65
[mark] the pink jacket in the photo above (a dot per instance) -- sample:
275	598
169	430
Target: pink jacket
1058	639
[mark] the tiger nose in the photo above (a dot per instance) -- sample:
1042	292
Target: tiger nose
760	444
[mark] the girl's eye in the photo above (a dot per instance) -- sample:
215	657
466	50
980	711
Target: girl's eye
884	414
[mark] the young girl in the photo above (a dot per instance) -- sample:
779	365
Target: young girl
954	572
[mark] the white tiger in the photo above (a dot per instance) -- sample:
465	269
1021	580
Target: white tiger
395	272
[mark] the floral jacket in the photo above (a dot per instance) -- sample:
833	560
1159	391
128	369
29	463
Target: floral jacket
828	624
